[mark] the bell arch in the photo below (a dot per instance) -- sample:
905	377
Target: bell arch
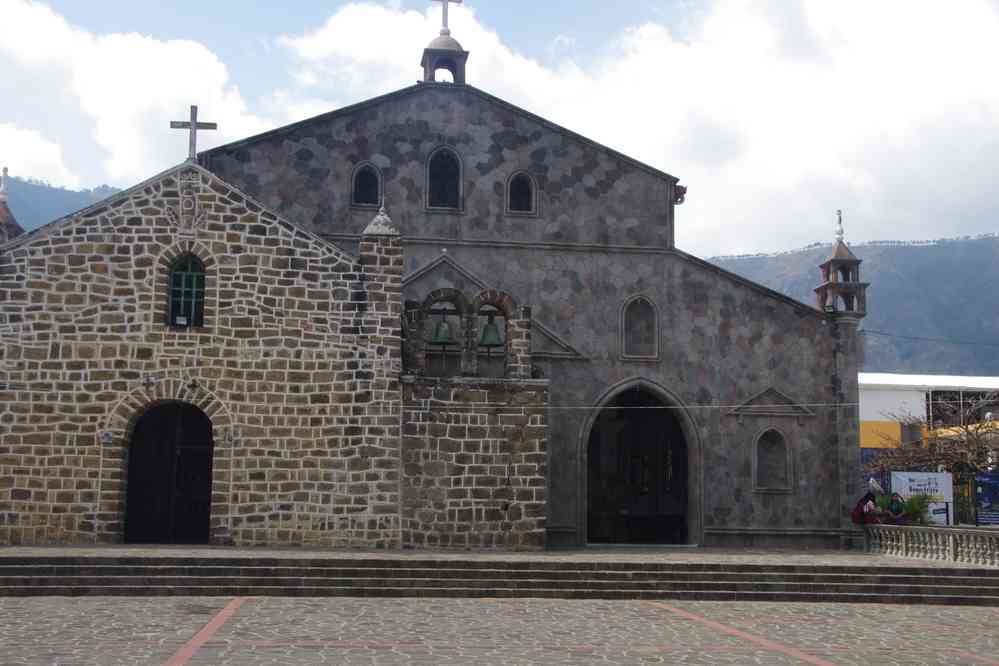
687	426
442	306
488	306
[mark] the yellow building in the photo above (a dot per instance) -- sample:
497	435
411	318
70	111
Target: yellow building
889	401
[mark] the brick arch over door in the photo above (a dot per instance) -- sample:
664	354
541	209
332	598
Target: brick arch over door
116	436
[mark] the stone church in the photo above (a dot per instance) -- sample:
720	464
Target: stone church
428	320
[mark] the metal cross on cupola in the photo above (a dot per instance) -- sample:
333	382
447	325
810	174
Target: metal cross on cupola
193	125
445	30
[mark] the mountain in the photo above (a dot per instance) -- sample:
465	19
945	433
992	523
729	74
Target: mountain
933	307
35	203
945	290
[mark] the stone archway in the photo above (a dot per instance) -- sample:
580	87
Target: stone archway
115	438
640	476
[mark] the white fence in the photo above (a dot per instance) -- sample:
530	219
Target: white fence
950	544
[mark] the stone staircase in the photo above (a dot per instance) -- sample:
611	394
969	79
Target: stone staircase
409	577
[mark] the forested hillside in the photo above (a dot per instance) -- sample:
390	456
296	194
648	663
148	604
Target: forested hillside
945	290
34	203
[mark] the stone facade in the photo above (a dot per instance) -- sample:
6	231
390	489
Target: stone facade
350	398
599	240
297	365
474	460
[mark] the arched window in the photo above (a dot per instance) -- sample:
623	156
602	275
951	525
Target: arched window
187	292
367	186
444	176
491	342
641	337
773	464
520	197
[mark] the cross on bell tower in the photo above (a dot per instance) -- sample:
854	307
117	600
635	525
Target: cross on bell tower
193	125
445	52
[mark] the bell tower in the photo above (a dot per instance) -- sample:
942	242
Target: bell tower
841	291
445	53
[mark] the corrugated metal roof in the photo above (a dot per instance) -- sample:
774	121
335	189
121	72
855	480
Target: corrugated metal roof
928	382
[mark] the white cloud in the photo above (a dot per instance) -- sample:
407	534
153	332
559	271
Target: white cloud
774	112
108	99
36	157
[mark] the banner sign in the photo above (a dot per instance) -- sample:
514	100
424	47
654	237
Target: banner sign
987	498
938	485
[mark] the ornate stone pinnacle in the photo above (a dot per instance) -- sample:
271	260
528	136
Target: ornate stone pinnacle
381	225
3	184
839	225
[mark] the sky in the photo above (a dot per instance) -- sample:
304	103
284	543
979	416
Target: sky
774	113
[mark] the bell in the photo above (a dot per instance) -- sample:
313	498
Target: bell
491	334
442	333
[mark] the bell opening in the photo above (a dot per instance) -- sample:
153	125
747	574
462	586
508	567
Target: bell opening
443	341
491	342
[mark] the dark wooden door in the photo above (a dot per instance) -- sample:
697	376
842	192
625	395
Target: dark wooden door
637	474
169	476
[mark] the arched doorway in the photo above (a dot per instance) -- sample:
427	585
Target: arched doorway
637	472
170	476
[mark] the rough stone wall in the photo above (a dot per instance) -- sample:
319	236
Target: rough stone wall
474	456
587	194
721	341
297	366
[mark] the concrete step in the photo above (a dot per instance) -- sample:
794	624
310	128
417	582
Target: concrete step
706	585
884	575
409	577
454	564
540	593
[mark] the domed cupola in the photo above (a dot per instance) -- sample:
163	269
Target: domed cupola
444	52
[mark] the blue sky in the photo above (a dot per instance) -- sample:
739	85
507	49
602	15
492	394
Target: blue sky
527	26
774	113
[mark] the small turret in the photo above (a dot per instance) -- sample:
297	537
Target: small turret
444	52
841	290
9	228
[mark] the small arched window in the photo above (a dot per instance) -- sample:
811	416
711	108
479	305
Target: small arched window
187	292
444	176
367	186
520	197
773	464
641	337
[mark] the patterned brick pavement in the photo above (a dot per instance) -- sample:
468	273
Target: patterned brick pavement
248	632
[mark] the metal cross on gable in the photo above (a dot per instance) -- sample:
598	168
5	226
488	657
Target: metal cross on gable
445	30
193	125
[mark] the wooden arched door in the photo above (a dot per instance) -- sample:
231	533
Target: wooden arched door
170	476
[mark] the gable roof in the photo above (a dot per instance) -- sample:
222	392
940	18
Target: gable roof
771	402
122	195
420	88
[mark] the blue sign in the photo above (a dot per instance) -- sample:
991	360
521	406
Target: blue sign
987	498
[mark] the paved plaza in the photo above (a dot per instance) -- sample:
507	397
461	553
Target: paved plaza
250	631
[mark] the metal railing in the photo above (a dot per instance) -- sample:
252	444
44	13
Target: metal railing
950	544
